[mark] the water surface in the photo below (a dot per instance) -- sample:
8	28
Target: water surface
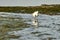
48	28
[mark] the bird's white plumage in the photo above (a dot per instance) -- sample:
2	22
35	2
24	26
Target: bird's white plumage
35	14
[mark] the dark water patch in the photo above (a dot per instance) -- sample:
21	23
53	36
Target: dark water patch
58	24
42	34
13	36
35	32
44	26
58	30
49	38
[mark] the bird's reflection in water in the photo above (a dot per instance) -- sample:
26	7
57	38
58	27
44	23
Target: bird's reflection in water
35	22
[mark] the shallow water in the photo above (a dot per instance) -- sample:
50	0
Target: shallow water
48	28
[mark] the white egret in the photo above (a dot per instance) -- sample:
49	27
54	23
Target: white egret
35	14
